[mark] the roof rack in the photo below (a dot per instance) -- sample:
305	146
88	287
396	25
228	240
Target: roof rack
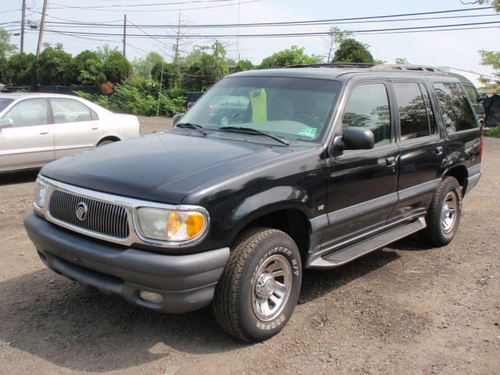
333	65
406	67
376	67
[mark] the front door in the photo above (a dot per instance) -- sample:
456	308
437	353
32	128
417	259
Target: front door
362	184
29	142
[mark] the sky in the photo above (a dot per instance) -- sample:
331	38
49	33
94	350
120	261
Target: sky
458	49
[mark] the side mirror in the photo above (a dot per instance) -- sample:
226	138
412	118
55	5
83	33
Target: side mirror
6	123
177	118
354	138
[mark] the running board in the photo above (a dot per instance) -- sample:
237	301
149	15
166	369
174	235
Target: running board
347	254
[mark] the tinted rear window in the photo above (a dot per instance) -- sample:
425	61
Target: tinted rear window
4	103
455	109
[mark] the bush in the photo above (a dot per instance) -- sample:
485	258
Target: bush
139	96
493	132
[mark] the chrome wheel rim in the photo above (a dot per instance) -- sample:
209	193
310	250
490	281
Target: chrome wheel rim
449	212
271	287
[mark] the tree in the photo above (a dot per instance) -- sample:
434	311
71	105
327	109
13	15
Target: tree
116	67
18	69
143	67
494	3
6	48
352	51
242	65
337	36
290	56
401	60
170	76
86	69
491	58
53	66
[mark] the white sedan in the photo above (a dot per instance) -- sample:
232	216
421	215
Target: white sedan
36	129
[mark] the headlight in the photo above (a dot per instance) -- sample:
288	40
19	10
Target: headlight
41	190
171	225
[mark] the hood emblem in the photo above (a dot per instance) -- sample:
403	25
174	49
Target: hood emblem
81	211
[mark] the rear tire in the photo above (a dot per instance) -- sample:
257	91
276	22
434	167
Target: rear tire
444	214
105	142
260	285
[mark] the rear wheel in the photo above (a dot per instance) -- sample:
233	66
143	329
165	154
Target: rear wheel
260	286
105	142
444	214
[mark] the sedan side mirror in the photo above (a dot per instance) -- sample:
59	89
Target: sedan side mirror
354	138
6	123
177	118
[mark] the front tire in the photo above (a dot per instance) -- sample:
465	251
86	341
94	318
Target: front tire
260	286
444	214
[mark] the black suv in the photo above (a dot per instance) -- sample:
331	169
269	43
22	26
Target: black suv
271	172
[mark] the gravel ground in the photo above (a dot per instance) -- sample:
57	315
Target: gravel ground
405	309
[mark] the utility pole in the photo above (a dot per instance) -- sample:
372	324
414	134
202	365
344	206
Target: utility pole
42	27
23	15
177	39
125	35
159	91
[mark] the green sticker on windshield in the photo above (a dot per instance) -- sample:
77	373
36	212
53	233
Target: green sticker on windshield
308	132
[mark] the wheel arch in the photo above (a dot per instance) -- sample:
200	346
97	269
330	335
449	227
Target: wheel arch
112	138
460	173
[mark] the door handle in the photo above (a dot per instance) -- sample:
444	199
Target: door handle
95	128
44	133
439	150
390	161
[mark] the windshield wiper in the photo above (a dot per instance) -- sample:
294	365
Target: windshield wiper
243	129
190	125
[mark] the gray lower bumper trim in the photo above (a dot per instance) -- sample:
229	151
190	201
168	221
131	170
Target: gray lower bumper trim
186	282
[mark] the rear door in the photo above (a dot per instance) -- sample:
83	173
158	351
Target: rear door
421	148
29	142
362	183
76	126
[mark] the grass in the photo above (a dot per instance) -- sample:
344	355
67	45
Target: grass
492	132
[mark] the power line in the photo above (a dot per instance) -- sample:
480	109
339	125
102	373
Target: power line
299	34
159	10
61	6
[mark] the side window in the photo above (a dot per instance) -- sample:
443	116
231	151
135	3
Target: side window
29	112
455	109
414	118
68	110
368	107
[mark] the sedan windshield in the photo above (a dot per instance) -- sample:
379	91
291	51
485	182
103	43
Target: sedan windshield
293	108
4	103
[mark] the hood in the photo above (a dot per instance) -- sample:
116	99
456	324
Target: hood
162	167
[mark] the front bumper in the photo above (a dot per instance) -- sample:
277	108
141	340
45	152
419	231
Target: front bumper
186	282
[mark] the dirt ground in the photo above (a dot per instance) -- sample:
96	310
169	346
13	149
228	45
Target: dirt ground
405	309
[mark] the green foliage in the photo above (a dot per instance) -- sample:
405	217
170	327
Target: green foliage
6	48
116	67
86	69
243	65
291	56
401	60
18	69
144	67
352	51
53	66
492	59
171	74
493	132
139	96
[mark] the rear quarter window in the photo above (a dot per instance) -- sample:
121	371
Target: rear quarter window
454	107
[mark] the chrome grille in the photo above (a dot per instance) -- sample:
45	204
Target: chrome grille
101	217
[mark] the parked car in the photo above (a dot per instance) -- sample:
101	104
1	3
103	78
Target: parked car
323	165
36	129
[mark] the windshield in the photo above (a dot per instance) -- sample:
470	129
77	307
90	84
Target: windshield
4	103
292	108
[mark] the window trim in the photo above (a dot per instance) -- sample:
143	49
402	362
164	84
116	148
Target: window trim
344	99
93	114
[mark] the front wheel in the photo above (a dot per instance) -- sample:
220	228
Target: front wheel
444	214
260	286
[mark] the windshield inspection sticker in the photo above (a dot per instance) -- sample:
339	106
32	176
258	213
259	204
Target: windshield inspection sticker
308	132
